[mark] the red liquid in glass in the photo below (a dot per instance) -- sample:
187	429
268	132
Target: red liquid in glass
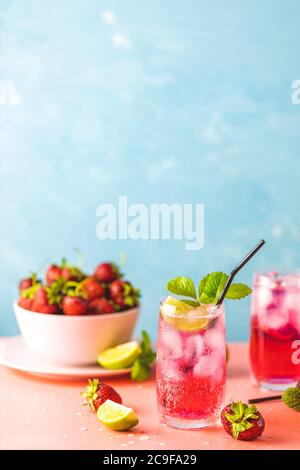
275	331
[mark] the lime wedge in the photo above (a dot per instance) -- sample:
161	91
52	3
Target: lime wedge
184	317
117	417
120	356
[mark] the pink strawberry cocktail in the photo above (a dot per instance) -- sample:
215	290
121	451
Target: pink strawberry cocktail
275	331
191	365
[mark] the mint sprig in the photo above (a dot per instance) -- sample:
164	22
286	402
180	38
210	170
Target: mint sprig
291	397
209	289
141	366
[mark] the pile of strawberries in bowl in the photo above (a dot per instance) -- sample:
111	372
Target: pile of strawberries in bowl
68	290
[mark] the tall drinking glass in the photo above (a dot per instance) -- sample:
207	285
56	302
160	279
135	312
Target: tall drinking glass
275	330
191	366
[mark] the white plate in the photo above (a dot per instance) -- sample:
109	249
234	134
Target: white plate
15	355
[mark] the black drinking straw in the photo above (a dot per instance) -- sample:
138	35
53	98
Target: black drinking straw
237	269
253	401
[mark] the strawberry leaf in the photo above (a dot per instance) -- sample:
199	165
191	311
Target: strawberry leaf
241	417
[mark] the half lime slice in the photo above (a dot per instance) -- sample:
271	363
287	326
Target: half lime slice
120	356
117	417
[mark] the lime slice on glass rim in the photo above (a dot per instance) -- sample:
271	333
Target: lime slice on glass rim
184	317
117	417
120	356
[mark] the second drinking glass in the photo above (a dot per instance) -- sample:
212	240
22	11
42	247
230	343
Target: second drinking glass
275	331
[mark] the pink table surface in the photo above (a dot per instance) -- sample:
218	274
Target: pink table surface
38	413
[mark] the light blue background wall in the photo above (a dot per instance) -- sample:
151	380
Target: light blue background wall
175	101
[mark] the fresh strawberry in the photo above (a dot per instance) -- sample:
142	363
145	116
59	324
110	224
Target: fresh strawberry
242	422
71	273
100	306
41	302
92	288
53	273
25	303
107	272
117	288
67	274
123	294
28	282
98	392
45	308
25	283
40	296
93	307
72	305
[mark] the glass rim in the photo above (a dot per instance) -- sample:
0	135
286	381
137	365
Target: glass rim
282	278
215	311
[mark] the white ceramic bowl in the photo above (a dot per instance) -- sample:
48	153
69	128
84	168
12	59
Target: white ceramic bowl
74	340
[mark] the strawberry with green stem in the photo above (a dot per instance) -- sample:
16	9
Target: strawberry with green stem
97	393
27	294
107	272
92	288
28	282
72	305
65	271
100	306
242	422
53	273
41	302
72	298
71	272
124	294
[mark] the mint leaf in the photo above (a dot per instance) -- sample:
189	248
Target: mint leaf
146	342
291	397
139	371
182	286
238	291
141	367
211	286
